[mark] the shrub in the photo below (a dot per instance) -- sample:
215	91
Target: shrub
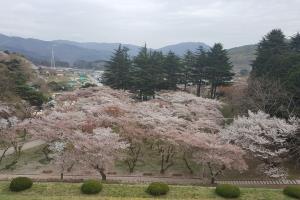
292	191
157	189
228	191
20	184
91	187
87	85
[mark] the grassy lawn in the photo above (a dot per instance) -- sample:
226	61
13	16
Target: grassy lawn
28	162
67	191
32	161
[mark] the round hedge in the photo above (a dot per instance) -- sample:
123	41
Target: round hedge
91	187
20	184
157	189
228	191
292	191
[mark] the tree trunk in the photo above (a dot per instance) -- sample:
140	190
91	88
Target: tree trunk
212	175
130	165
187	164
215	91
198	90
46	151
71	167
162	170
134	152
103	175
3	154
212	91
62	176
130	170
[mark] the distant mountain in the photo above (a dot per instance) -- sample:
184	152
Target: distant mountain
242	57
102	47
181	48
39	51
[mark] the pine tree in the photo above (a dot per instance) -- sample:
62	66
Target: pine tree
278	60
219	68
171	67
116	74
200	68
188	63
295	43
146	73
157	61
269	55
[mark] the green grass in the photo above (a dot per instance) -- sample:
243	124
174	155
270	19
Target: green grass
67	191
29	159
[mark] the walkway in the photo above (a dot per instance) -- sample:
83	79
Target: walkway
261	182
148	179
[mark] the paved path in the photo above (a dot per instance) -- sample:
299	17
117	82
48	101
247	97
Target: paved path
148	179
261	182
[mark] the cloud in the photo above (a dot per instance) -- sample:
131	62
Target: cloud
157	22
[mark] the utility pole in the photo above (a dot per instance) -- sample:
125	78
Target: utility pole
52	59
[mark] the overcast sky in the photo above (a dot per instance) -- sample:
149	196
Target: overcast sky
157	22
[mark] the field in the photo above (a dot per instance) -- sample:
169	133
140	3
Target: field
66	191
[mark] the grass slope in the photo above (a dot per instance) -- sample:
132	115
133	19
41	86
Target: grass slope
64	191
242	57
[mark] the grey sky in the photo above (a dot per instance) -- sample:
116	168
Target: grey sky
157	22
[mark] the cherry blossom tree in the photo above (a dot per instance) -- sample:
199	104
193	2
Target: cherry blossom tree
6	122
167	150
64	156
263	136
95	124
99	150
10	135
294	147
208	149
80	122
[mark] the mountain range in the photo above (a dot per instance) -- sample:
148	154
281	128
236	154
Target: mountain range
69	51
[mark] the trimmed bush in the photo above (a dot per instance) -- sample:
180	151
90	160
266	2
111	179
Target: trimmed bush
157	189
228	191
292	191
20	184
91	187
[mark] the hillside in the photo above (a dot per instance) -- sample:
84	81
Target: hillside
242	57
39	50
69	51
92	55
19	81
181	48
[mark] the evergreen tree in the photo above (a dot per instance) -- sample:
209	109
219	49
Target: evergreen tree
188	63
171	67
146	75
116	74
295	43
219	68
157	73
278	60
269	55
200	69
